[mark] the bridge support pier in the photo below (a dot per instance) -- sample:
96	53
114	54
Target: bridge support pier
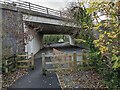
71	40
40	38
35	44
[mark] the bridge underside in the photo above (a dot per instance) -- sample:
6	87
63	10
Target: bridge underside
42	29
52	29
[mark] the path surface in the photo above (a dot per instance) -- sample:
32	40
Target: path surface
35	79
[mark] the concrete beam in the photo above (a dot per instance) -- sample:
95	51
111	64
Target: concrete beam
52	29
45	20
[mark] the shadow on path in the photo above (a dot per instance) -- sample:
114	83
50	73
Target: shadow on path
35	79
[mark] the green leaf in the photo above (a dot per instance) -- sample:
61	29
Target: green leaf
114	58
90	10
116	65
80	40
117	61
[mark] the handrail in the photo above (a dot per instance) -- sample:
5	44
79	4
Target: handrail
34	7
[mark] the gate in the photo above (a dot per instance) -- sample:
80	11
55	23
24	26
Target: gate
25	61
65	61
14	62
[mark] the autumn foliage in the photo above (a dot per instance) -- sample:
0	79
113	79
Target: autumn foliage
100	32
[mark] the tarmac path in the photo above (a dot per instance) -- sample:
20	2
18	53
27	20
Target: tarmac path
35	79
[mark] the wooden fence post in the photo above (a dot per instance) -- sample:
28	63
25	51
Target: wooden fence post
75	61
43	64
15	60
32	58
70	64
84	58
6	67
65	57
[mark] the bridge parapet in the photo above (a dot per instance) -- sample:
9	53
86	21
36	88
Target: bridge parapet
34	7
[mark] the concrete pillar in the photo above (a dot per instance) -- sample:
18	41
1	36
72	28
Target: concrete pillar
71	40
34	45
37	43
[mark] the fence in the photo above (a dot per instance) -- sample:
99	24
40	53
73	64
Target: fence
25	61
9	64
66	61
18	61
34	7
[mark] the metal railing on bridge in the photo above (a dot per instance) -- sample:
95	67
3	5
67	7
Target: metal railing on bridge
34	7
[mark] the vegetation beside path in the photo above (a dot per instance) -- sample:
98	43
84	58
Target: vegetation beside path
80	79
101	36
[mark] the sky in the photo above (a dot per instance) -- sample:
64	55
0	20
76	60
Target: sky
54	4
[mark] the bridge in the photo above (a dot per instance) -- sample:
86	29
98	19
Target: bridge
24	18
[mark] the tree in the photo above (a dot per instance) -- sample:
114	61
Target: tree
105	47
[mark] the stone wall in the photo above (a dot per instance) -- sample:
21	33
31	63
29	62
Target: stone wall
12	27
